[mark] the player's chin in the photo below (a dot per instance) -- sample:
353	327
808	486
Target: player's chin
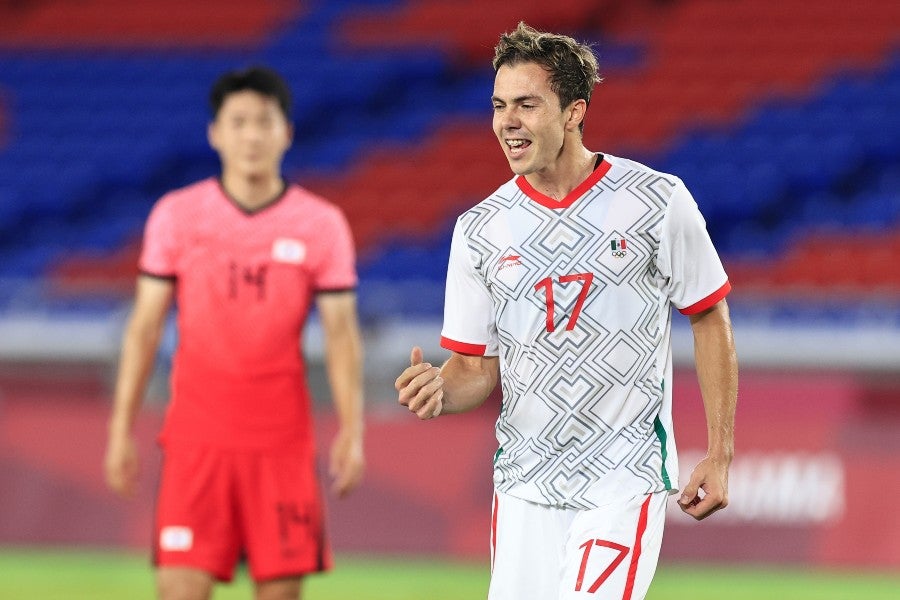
256	169
519	164
516	166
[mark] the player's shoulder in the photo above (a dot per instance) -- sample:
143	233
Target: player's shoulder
189	194
625	166
204	187
310	204
298	195
499	197
492	206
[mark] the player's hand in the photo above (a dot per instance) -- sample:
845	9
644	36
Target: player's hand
347	462
121	464
710	476
420	387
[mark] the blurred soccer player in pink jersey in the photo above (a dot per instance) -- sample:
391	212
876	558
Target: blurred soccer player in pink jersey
560	286
242	257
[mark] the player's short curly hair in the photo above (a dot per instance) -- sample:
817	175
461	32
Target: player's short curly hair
572	66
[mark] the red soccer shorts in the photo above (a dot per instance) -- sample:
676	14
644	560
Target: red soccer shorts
216	504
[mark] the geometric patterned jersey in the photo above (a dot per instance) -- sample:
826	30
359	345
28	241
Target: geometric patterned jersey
575	298
244	284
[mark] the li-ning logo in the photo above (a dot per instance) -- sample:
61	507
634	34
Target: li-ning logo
618	248
510	260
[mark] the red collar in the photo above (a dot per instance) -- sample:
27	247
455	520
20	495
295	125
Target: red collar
544	200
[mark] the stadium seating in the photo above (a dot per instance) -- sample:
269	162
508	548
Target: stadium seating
465	28
781	119
151	23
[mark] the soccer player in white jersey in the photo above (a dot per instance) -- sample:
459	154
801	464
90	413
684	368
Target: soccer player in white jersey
560	285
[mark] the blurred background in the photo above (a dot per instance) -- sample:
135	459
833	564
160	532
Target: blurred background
782	118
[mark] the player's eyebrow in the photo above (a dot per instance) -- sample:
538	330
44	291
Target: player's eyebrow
519	99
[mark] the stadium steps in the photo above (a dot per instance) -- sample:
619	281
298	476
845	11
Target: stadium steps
120	121
406	186
465	29
141	23
685	85
712	60
707	62
712	66
842	264
797	165
4	120
402	192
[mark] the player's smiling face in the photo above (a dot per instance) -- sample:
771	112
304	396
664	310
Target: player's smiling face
251	135
528	119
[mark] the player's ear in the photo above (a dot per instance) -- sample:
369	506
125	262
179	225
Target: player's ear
290	134
212	135
575	114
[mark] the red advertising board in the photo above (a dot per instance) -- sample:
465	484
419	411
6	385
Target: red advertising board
817	460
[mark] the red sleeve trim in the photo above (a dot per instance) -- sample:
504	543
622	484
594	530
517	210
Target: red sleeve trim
697	307
463	348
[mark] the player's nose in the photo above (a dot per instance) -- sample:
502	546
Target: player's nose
510	122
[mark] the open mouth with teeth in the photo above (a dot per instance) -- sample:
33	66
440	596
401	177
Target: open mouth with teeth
517	146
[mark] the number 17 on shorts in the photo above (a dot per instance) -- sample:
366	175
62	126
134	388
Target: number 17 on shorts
546	553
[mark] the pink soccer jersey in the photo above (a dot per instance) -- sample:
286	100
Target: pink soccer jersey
244	284
574	296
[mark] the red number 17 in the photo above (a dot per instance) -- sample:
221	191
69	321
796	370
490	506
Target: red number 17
622	552
547	284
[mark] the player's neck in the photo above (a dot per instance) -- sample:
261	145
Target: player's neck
558	180
252	192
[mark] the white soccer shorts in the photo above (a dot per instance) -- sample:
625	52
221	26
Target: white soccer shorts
541	552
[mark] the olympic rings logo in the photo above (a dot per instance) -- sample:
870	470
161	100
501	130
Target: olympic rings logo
618	253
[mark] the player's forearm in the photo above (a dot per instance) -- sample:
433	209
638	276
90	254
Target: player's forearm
139	346
467	383
717	373
344	363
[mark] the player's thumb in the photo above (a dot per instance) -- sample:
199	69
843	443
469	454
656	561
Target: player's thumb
689	492
415	357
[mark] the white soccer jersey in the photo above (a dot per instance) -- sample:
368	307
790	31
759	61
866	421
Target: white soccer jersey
574	296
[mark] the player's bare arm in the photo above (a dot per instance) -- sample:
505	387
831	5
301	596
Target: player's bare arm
717	373
343	358
139	346
464	382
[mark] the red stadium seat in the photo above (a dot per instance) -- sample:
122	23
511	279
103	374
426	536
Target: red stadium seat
149	23
466	28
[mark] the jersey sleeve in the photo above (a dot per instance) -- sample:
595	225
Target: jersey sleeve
469	324
694	278
159	252
335	270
